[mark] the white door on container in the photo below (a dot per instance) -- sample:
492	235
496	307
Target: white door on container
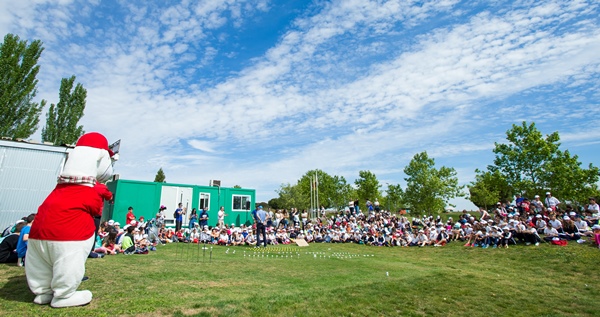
185	197
169	196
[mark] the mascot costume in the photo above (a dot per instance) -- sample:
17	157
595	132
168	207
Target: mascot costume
63	232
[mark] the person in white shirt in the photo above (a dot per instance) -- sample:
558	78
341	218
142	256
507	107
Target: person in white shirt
556	224
550	233
421	239
536	204
551	202
540	223
582	226
593	209
221	217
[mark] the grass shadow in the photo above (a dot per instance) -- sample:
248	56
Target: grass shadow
16	290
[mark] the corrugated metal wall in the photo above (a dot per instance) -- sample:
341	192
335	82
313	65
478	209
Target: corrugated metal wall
27	175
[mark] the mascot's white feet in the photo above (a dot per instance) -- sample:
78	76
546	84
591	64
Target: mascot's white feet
43	299
79	298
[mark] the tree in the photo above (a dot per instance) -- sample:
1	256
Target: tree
342	194
524	160
62	118
488	189
394	197
160	176
333	191
367	186
19	114
569	181
428	189
533	164
237	186
325	184
289	196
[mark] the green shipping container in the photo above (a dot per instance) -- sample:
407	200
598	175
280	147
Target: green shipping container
147	197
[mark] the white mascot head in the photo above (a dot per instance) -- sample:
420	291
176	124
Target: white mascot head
91	157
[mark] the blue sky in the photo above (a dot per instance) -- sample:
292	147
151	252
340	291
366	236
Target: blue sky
257	92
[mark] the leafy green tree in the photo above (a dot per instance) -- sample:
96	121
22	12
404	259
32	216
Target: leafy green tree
334	191
275	203
237	186
488	189
160	176
289	196
569	181
367	186
19	114
394	197
524	160
62	118
343	192
429	189
326	184
533	164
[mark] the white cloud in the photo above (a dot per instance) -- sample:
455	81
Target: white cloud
202	145
353	85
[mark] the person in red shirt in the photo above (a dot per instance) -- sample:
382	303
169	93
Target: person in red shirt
130	216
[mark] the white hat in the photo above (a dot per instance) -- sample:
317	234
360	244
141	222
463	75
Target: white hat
566	218
547	193
538	216
536	196
596	227
111	222
117	224
126	226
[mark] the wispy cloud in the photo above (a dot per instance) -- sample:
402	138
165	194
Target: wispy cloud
345	85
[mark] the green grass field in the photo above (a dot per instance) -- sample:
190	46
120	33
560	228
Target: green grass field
339	280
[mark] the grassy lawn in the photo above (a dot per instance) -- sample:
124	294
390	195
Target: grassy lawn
342	280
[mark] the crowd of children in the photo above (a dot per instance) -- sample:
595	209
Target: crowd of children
523	222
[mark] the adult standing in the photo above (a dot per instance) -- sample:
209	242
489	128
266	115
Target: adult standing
130	216
304	217
221	217
261	222
551	202
270	217
193	218
179	212
160	216
204	218
536	204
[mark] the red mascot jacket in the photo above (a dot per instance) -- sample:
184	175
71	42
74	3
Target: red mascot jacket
67	213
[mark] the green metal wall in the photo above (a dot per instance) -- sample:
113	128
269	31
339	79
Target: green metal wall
145	199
